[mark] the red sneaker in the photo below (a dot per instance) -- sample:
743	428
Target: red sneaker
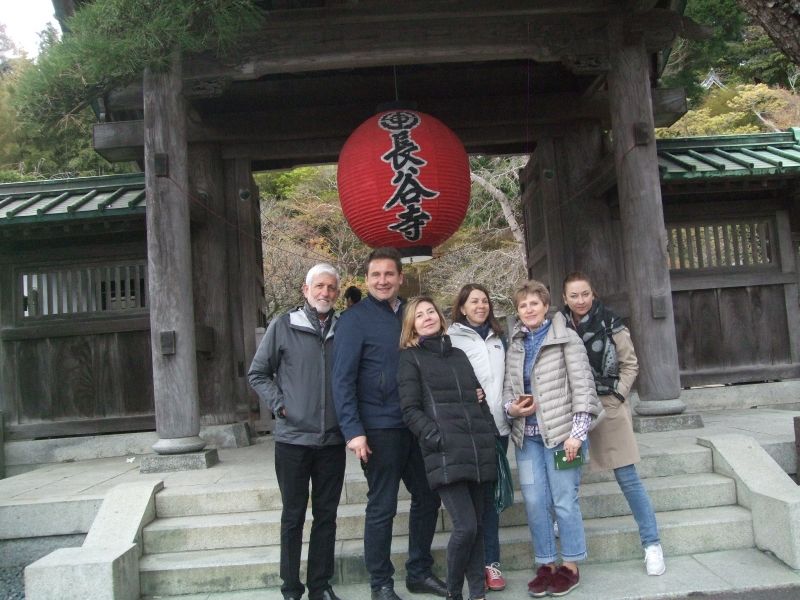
494	578
564	581
537	587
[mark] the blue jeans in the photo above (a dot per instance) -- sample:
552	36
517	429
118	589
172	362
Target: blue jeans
491	522
396	456
639	501
546	490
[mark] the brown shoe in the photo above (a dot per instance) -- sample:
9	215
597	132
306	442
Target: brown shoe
563	582
537	587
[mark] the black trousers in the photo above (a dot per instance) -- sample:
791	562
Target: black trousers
396	457
295	467
464	503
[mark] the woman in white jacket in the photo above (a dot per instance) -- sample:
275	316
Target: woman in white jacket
477	332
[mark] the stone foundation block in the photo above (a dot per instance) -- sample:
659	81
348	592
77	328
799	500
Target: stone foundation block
643	424
87	573
162	463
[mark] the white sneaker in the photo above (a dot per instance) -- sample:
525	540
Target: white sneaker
654	560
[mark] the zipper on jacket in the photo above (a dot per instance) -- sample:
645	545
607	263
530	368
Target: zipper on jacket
435	417
324	395
469	423
433	410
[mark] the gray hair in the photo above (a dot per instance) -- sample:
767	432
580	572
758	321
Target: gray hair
319	269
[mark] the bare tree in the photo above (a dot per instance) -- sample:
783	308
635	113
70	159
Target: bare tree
500	269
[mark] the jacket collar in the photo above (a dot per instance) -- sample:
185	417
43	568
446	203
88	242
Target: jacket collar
461	329
556	335
386	305
438	344
299	320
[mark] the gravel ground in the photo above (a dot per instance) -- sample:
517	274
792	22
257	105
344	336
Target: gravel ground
12	586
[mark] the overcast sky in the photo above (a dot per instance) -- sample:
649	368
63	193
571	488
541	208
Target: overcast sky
24	19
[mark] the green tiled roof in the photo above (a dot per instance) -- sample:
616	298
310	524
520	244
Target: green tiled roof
66	199
752	155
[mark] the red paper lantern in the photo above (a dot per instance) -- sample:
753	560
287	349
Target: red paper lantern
404	182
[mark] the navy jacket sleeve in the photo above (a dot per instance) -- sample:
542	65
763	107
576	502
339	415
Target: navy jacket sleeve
347	346
264	368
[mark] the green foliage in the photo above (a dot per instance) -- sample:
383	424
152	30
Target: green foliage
32	152
739	110
111	42
758	60
739	51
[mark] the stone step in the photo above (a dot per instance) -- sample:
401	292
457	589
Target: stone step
681	460
255	528
251	496
608	539
747	574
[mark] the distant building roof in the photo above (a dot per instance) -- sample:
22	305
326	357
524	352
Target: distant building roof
62	200
753	155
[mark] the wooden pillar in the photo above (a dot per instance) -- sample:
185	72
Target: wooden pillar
643	233
169	263
211	289
589	244
244	273
551	187
9	287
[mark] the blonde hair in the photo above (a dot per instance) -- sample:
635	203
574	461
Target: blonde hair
532	288
409	336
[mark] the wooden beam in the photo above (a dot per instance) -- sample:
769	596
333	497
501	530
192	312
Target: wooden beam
425	10
728	375
55	328
316	134
288	43
80	427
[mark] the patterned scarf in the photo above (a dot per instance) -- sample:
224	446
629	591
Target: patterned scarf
595	329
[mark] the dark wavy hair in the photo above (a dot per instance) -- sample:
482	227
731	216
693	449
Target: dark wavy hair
461	300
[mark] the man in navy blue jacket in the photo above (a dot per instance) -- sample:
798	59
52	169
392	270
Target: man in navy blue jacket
364	377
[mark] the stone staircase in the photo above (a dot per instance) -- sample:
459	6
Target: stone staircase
215	539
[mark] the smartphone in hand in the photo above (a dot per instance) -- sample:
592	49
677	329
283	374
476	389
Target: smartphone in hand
524	400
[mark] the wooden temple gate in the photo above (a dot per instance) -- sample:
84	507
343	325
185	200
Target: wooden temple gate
508	76
731	208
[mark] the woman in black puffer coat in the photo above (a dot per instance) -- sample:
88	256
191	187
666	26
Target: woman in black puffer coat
443	406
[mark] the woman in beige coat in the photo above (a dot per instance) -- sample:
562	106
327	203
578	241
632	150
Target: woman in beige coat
549	395
614	366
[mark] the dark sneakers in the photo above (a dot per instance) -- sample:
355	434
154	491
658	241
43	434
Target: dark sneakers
539	585
563	582
430	585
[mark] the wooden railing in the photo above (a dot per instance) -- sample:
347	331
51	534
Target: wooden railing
726	244
117	287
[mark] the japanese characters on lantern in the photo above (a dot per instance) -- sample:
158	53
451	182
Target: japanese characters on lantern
404	182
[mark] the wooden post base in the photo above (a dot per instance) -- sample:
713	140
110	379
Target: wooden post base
179	445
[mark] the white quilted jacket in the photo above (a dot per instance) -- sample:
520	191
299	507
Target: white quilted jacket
562	383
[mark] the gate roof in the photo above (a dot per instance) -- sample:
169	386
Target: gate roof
64	200
752	156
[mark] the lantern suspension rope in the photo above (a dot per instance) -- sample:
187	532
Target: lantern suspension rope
396	89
